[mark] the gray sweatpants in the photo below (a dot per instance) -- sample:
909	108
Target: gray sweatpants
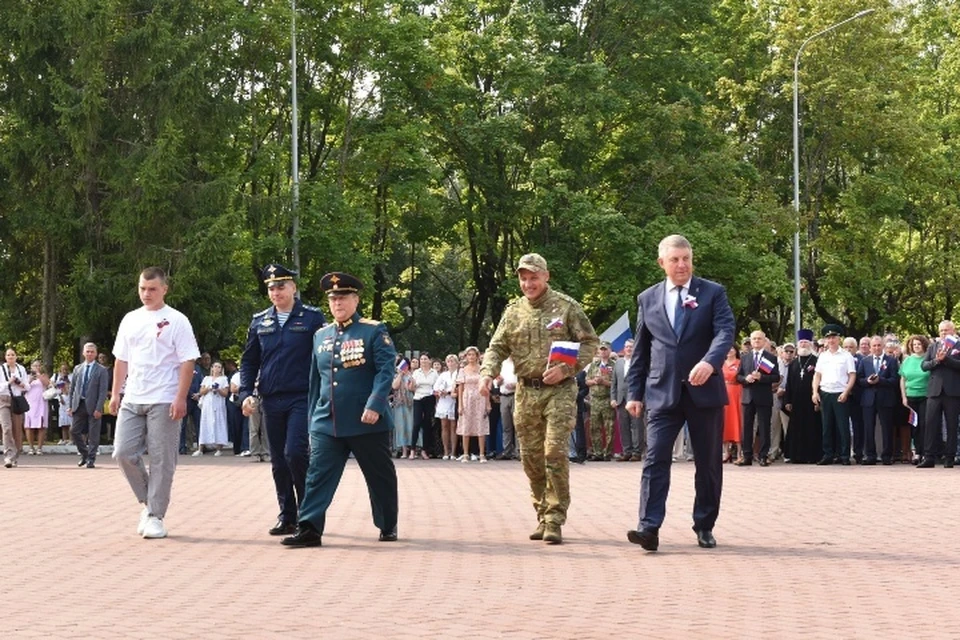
148	428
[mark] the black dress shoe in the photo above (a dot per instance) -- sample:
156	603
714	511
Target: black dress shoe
706	540
764	462
90	464
646	538
845	462
948	463
388	536
744	462
283	528
926	463
82	463
869	462
887	463
825	461
306	536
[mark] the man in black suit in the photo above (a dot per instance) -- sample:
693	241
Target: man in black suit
879	382
684	331
943	396
87	395
758	373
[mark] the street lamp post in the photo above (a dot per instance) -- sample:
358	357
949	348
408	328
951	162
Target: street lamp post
295	151
796	161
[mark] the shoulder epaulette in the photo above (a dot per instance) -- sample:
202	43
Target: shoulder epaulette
262	313
312	308
369	321
565	297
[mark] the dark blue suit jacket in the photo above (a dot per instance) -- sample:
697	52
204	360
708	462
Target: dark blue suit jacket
662	360
886	393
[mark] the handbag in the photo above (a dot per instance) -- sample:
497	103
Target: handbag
50	393
18	404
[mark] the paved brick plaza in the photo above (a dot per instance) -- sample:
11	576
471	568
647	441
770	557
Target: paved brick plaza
803	552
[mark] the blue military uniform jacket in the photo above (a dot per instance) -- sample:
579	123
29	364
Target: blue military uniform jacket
353	368
280	356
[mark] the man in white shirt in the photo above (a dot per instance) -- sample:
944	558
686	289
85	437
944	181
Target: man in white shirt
833	381
507	383
154	351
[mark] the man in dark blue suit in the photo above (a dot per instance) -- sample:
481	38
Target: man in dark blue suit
684	330
879	382
350	381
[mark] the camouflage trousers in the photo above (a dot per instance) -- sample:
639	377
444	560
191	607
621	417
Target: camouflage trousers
544	419
601	426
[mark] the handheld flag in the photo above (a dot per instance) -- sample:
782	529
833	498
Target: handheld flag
913	418
562	352
764	364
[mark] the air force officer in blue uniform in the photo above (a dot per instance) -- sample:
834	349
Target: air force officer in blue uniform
277	359
684	330
350	379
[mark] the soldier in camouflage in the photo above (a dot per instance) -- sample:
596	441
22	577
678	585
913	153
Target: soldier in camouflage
599	379
546	398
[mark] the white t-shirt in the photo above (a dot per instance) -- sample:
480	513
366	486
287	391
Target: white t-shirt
154	344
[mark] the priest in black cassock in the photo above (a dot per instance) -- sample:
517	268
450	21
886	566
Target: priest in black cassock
803	443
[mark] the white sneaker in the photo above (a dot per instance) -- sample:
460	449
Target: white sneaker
445	458
473	457
197	453
217	453
154	528
245	454
483	459
144	515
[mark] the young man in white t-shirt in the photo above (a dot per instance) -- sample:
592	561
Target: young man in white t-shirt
154	352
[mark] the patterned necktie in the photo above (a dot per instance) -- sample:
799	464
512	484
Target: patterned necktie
876	364
678	313
86	379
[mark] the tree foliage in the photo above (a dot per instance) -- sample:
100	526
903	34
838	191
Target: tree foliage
440	140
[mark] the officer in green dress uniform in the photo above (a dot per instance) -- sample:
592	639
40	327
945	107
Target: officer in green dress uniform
350	377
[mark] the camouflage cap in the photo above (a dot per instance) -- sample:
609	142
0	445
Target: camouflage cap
532	262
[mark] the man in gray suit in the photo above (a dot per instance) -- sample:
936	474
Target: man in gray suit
632	436
91	381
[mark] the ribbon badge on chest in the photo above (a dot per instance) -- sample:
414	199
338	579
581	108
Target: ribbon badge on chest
351	353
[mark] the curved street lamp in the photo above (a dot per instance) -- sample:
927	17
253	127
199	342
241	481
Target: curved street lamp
796	161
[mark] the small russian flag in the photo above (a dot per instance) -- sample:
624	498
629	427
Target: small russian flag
949	342
562	352
913	418
403	366
765	365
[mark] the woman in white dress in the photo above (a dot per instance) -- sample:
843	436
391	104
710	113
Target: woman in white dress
214	390
446	391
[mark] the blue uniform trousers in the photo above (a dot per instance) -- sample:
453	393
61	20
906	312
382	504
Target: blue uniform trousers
706	435
285	420
328	457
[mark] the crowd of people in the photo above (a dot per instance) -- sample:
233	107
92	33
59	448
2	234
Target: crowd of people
439	413
839	400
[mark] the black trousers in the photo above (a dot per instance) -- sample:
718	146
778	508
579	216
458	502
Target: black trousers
423	411
940	408
870	415
761	414
918	404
